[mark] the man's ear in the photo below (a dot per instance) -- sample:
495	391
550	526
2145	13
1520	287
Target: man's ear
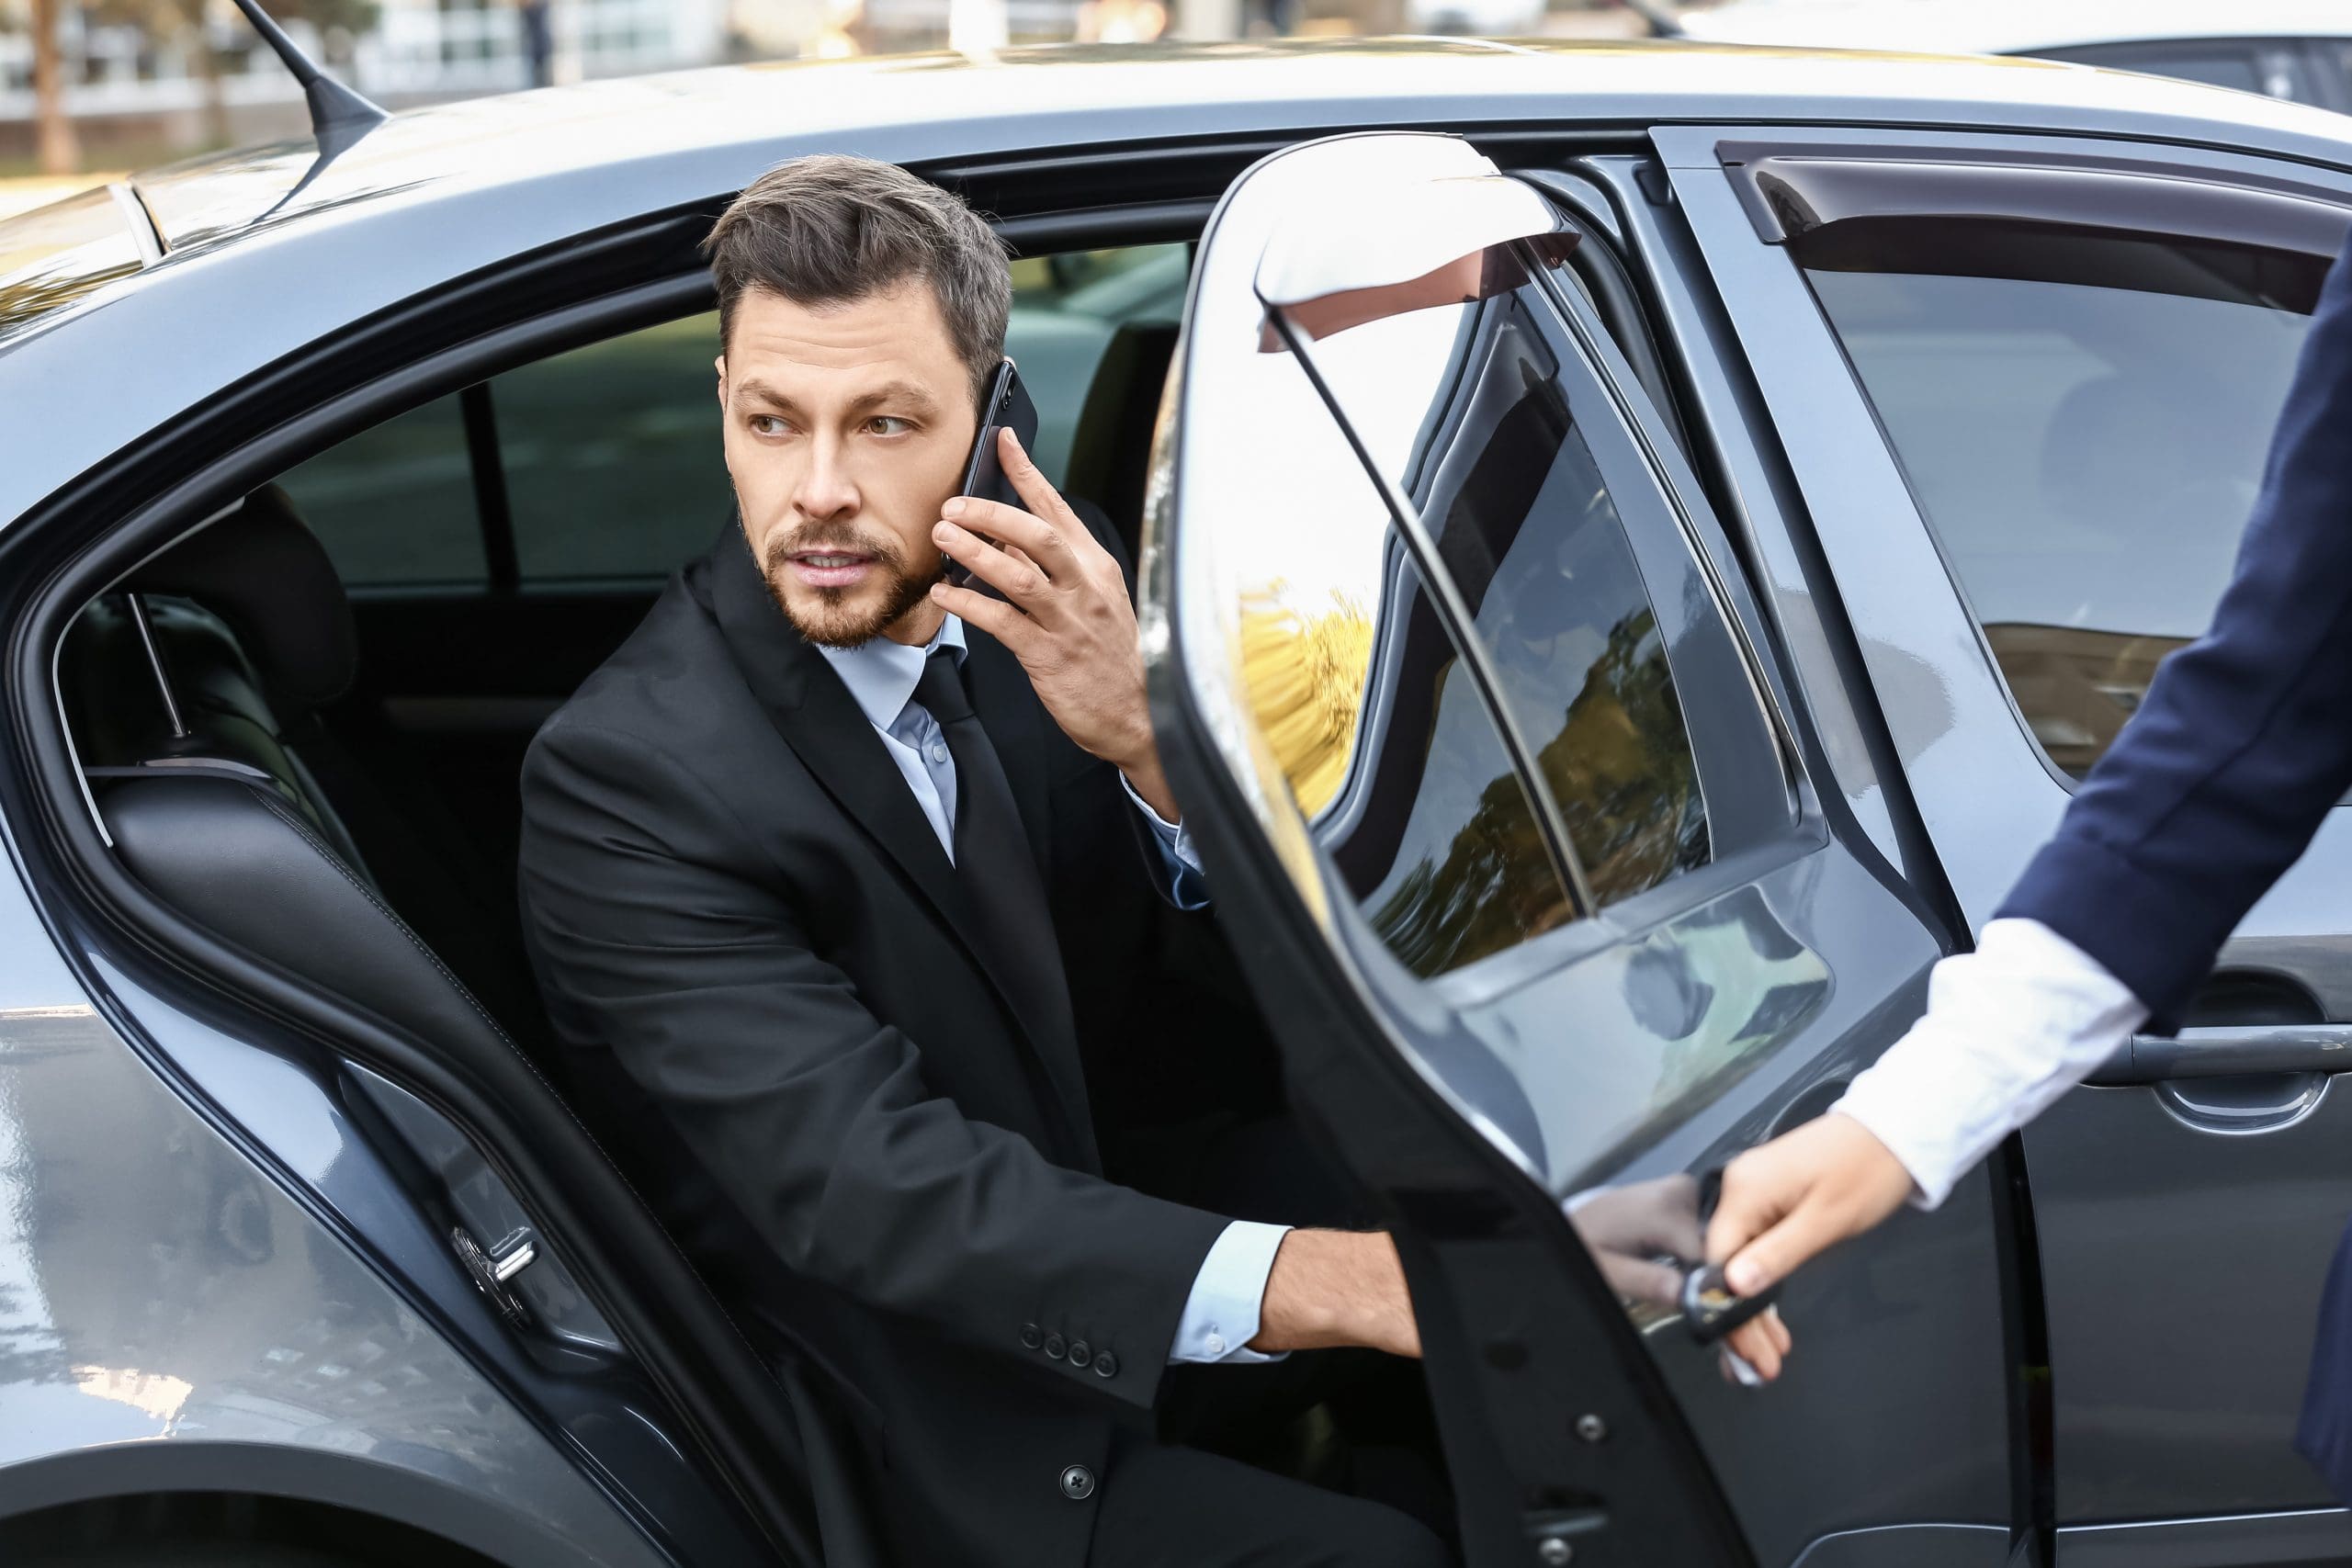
720	363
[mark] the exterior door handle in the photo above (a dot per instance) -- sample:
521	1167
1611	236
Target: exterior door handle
2227	1052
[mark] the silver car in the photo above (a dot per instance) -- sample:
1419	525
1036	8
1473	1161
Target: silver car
1638	545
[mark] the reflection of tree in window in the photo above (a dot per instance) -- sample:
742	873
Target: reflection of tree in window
1494	890
1623	773
1632	806
1305	674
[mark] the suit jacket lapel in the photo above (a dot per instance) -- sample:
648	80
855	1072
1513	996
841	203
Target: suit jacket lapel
827	731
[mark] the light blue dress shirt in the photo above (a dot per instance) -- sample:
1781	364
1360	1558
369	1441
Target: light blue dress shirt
1221	1314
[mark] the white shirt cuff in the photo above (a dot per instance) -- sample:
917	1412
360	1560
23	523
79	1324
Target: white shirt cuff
1187	886
2008	1029
1221	1314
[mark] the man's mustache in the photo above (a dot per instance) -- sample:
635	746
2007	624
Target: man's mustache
827	540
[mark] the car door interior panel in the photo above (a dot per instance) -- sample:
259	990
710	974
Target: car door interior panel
2047	555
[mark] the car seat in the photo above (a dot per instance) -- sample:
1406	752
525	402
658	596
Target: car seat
207	668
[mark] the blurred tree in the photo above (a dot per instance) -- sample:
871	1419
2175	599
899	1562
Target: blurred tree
53	128
196	26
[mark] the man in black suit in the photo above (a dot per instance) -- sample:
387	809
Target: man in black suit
838	878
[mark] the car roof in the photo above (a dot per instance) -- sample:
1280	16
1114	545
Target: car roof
2011	26
1083	94
270	250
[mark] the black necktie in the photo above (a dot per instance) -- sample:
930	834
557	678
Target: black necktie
994	862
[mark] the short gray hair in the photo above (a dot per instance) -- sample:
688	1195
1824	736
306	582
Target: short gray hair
828	229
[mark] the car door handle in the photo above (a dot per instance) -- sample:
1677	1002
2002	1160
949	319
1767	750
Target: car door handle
2228	1050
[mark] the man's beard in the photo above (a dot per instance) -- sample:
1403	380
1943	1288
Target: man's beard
832	621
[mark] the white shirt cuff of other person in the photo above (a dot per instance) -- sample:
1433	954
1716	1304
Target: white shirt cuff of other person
2008	1029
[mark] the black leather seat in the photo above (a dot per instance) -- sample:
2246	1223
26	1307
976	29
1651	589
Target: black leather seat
194	693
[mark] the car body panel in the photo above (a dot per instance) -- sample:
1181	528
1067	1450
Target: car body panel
160	1291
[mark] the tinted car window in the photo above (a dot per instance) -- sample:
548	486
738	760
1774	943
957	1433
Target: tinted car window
2270	66
2086	440
395	504
1359	696
610	454
1461	406
614	467
1066	309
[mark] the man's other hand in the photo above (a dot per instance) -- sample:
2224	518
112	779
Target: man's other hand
1639	1233
1065	614
1800	1194
1329	1288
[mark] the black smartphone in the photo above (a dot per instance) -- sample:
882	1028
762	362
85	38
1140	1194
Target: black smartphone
1006	407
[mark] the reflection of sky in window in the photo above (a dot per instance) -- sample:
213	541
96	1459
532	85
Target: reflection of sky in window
1540	681
1319	528
2087	456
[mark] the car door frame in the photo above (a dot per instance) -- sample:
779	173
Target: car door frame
1473	1227
1965	759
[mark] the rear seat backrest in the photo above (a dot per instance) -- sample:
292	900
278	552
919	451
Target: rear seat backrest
242	632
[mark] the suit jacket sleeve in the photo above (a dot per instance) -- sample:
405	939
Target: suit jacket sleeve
2244	742
810	1111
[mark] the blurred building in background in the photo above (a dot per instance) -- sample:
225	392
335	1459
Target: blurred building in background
134	81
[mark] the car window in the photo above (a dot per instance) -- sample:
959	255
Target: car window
1370	717
609	457
2271	67
1461	406
612	454
394	506
1066	311
2084	423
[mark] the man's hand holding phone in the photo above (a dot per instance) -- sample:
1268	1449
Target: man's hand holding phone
1065	614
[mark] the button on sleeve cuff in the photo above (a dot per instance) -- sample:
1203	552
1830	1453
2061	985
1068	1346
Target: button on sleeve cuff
1221	1314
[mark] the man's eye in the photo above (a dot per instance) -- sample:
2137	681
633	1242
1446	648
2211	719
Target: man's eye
888	425
769	424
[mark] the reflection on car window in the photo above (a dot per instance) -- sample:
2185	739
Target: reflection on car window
54	254
1461	406
2086	451
1356	692
395	504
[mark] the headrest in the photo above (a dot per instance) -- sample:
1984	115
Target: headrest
261	571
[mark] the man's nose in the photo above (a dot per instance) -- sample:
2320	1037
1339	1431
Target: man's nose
826	489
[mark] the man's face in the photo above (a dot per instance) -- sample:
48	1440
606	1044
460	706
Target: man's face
847	428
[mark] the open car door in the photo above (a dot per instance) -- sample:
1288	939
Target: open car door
1502	798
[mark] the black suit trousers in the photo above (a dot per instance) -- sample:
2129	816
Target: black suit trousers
1167	1507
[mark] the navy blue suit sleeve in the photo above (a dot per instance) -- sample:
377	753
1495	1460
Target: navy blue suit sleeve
2244	742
